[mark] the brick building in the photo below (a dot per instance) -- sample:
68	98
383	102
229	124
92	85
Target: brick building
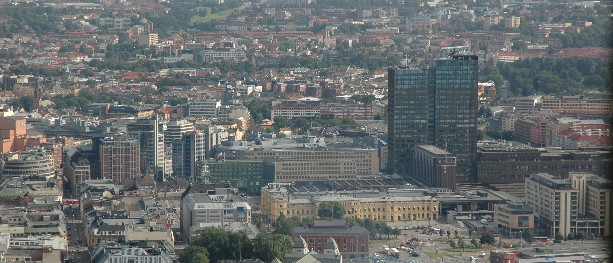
352	241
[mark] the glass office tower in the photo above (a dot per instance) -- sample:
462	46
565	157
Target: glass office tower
436	106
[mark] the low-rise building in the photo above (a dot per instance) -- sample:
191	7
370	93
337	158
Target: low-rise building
141	251
389	206
215	205
352	241
513	218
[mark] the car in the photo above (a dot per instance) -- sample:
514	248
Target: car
414	254
376	254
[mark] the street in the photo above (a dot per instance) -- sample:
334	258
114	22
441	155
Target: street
77	245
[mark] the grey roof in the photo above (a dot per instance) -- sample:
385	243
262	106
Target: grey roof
300	242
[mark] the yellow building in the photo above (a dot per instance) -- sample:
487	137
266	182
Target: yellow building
390	206
578	105
365	161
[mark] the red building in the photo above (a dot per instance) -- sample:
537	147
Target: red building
352	241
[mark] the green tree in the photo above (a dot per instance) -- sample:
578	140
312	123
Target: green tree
25	102
194	254
281	122
331	210
448	234
559	236
461	244
396	232
475	243
455	233
487	238
452	244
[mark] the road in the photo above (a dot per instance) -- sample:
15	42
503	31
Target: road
77	247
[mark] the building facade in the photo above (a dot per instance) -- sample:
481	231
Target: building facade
149	135
435	167
120	159
276	201
212	207
578	105
436	106
187	152
207	108
513	218
554	201
352	241
175	130
505	164
34	163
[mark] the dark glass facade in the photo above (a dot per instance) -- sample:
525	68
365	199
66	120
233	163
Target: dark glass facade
436	106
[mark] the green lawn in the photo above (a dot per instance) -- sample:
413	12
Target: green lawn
437	255
216	16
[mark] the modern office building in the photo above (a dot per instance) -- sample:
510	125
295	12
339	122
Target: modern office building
212	205
215	134
120	159
175	130
599	203
247	176
576	203
206	108
504	163
34	163
554	201
435	106
187	152
579	105
435	167
151	140
513	218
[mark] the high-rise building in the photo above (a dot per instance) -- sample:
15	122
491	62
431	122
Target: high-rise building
187	152
175	130
435	106
151	141
120	159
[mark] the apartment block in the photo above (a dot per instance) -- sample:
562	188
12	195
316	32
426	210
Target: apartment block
554	201
120	160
